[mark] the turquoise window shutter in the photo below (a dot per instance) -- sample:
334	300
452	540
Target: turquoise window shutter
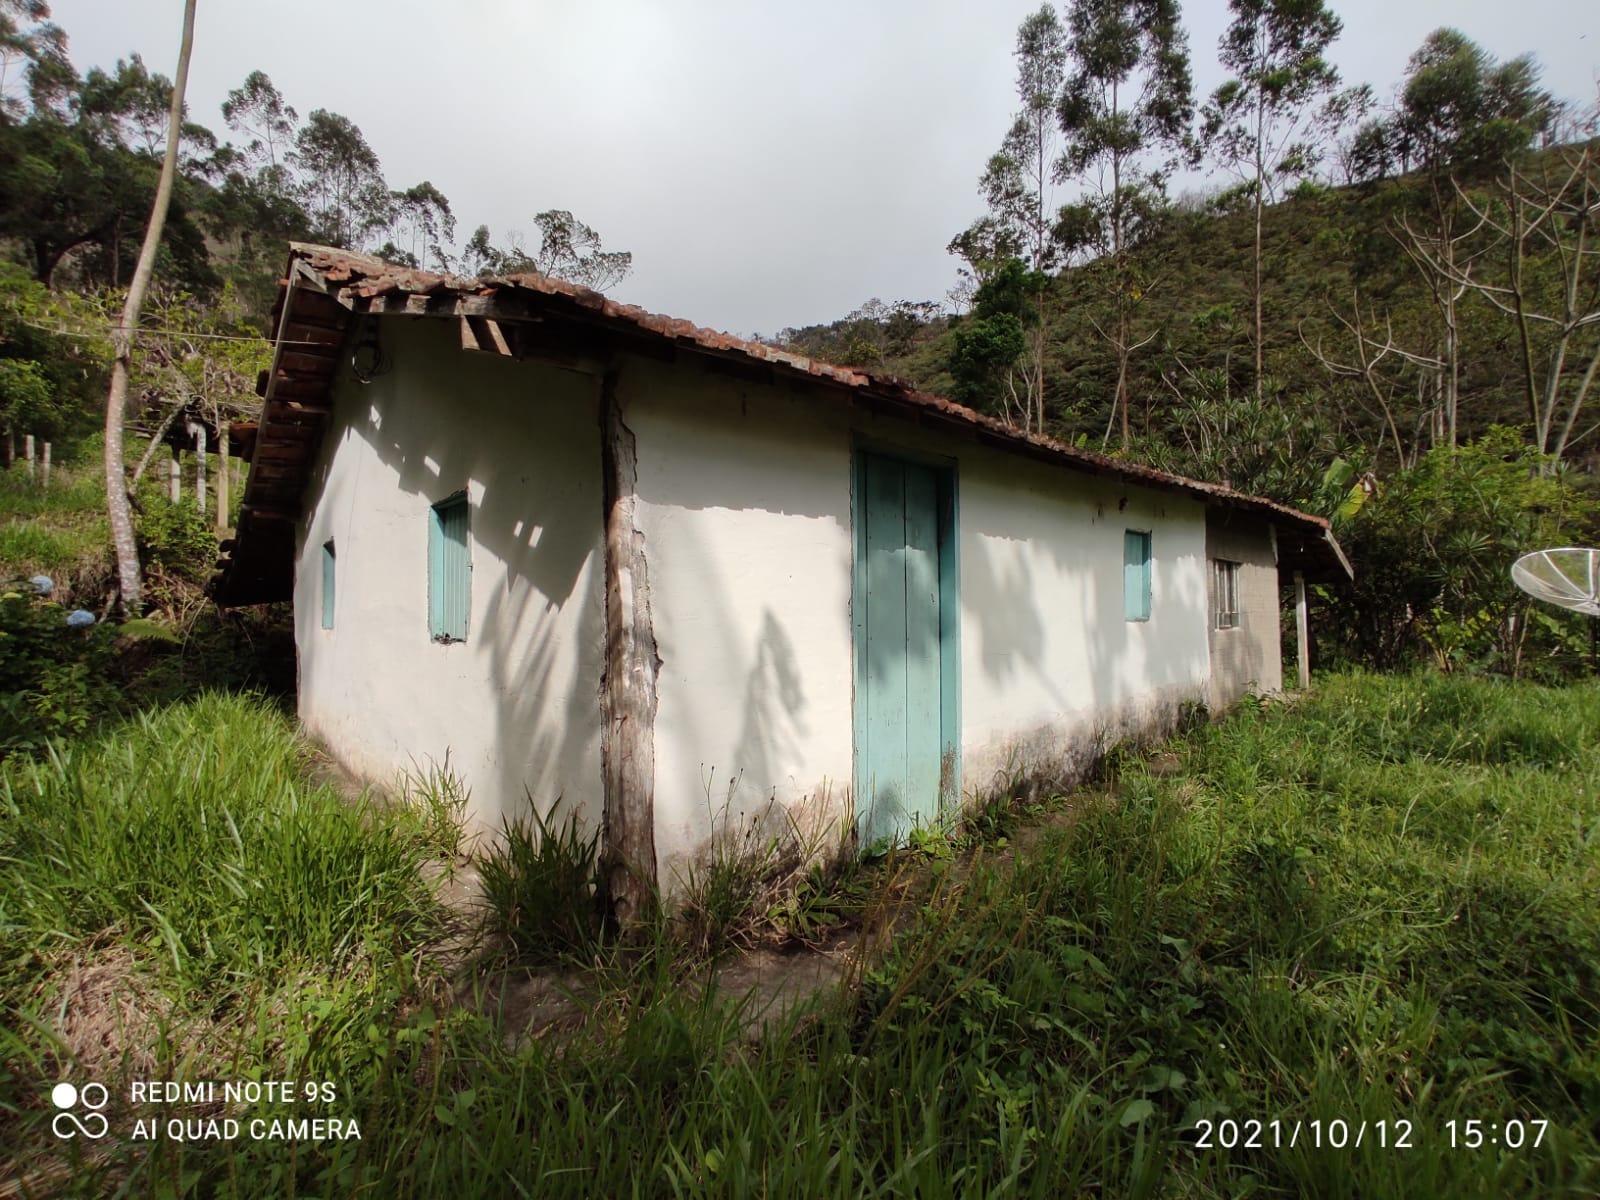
449	570
328	564
1136	575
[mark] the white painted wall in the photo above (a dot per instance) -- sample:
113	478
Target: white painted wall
517	704
744	504
1248	657
1050	666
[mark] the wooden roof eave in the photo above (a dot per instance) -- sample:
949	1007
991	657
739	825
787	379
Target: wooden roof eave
329	297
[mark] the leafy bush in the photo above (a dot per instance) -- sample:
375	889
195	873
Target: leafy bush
1433	551
55	679
177	550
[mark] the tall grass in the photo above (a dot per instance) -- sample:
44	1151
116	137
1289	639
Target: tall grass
174	897
1377	904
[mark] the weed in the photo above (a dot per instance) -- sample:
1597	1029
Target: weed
732	888
539	886
440	799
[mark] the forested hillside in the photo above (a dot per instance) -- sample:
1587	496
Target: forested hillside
1382	309
1338	285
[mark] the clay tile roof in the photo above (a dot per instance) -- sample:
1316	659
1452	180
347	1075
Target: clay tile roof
325	288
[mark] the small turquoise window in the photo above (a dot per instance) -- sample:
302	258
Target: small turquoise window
328	563
1136	575
449	570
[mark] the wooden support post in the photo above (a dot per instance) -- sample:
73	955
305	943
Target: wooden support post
224	474
628	686
27	452
44	465
174	477
1302	631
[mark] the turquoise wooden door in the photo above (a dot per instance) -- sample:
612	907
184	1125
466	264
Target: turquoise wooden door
898	692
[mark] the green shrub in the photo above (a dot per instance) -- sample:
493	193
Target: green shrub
177	550
1433	551
54	679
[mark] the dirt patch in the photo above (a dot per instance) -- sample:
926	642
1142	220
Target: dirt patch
321	769
773	977
530	1003
771	984
112	1015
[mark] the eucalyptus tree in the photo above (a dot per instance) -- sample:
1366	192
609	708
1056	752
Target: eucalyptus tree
422	217
1127	100
568	249
1017	184
1460	115
258	111
480	257
129	103
33	54
341	180
571	250
1265	122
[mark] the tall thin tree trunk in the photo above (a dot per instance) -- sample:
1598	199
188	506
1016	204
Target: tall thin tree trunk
1120	278
117	506
200	468
1038	265
1261	201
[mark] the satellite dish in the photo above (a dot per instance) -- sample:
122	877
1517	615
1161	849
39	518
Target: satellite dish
1568	578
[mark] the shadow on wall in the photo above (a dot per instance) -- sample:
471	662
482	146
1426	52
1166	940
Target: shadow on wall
747	541
1042	587
773	705
527	439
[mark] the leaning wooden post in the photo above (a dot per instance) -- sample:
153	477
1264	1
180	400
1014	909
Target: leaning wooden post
1301	630
628	686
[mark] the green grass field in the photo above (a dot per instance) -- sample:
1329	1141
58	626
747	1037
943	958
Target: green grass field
1371	914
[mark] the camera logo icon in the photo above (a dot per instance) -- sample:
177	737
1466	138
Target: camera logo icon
68	1123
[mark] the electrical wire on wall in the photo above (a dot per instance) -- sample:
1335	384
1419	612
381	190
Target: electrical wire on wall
368	360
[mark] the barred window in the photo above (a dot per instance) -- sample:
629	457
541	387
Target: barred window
1224	594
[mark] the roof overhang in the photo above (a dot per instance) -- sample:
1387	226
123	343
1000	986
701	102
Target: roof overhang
325	290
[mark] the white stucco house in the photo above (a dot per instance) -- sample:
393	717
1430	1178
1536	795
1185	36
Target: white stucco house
677	579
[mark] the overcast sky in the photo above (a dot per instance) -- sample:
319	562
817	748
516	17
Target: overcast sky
767	164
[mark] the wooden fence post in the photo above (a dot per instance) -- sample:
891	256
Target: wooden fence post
200	468
46	467
1302	631
27	452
